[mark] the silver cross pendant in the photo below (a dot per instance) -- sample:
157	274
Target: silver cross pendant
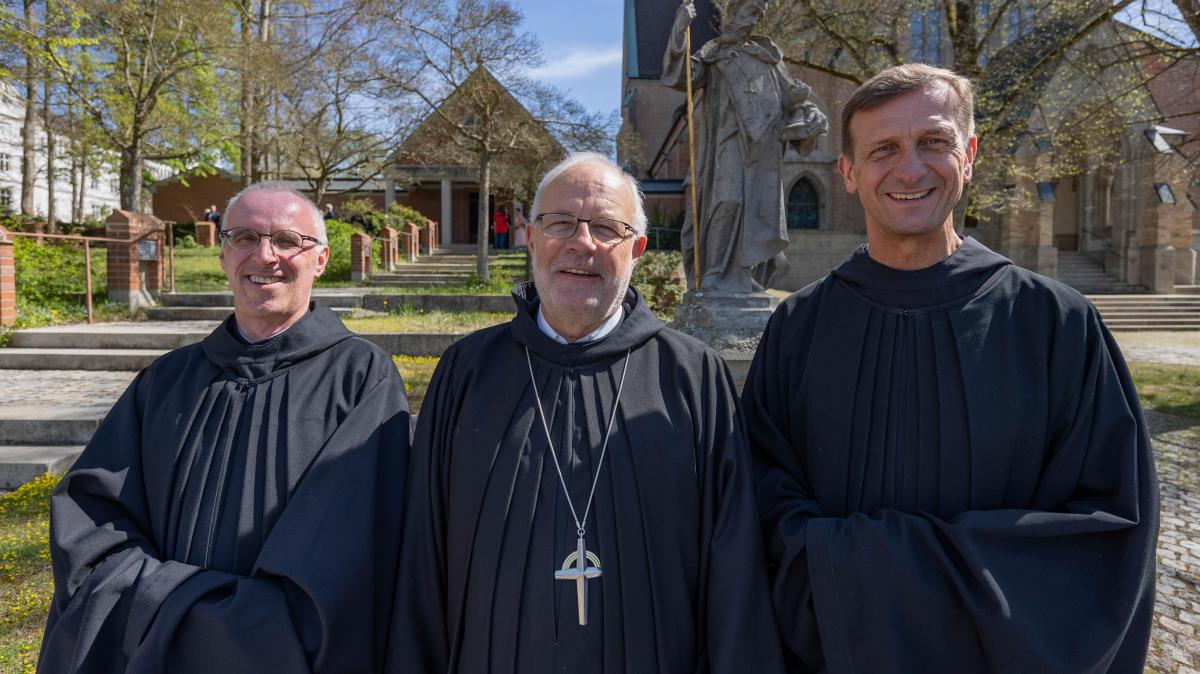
576	568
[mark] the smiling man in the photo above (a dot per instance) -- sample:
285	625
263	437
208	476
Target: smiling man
238	510
954	472
581	497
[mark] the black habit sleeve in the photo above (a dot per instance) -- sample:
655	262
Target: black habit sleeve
419	641
1064	584
740	633
318	596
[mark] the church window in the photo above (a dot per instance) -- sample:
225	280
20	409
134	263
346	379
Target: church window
1046	192
6	199
1165	193
1020	20
4	165
803	206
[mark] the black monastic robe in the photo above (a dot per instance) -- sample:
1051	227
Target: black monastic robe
238	510
673	523
954	473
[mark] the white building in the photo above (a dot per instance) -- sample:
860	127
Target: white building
101	188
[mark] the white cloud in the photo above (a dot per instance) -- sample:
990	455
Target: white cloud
579	62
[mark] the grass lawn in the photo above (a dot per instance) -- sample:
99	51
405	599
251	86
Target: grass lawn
25	581
1173	389
430	321
416	373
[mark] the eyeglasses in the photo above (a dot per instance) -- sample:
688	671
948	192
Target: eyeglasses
603	231
283	241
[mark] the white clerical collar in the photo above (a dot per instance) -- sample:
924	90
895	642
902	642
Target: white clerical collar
251	341
600	332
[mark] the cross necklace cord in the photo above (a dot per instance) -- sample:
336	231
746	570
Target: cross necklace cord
576	567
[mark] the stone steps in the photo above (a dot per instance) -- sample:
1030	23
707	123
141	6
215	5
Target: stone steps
125	339
401	282
126	347
348	300
35	439
432	302
1087	275
422	279
21	463
40	425
209	313
1149	312
77	359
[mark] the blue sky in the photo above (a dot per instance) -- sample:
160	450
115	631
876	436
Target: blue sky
582	43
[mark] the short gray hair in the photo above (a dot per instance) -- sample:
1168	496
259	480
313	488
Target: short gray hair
639	223
315	213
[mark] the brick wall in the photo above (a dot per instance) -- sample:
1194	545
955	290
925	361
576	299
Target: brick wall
8	281
179	203
131	281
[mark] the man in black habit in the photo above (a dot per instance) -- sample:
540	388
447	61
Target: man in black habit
239	508
953	468
581	496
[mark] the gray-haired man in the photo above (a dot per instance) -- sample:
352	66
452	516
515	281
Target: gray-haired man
581	495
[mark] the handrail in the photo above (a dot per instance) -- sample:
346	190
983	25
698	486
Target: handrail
87	254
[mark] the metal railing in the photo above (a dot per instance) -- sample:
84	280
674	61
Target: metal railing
87	254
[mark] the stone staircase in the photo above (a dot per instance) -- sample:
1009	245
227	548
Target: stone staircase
439	269
1149	312
1086	274
35	439
215	306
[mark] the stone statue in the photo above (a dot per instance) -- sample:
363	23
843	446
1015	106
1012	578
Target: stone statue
750	109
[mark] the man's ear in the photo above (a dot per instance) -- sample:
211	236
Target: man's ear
969	165
847	170
639	246
322	260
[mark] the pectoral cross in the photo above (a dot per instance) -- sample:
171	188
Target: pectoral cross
576	568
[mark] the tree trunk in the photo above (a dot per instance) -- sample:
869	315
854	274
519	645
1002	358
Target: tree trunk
28	165
485	179
131	177
259	96
51	173
85	149
245	114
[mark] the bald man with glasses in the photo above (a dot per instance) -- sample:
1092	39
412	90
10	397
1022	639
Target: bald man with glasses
239	508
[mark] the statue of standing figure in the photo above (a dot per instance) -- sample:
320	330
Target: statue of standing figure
751	109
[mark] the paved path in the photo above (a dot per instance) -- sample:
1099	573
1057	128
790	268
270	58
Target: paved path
1172	348
1175	646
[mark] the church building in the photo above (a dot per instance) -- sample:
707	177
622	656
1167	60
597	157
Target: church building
1124	221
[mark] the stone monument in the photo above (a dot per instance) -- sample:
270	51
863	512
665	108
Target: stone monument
751	110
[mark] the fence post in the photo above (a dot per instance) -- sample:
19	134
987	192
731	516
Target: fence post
8	280
360	257
131	280
387	255
206	234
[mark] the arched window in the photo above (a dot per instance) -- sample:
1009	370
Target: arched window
803	206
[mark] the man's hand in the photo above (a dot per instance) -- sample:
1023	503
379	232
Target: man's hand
684	16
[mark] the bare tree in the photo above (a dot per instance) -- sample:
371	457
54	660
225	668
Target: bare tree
29	125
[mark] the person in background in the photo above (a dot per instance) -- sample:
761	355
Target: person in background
501	226
520	230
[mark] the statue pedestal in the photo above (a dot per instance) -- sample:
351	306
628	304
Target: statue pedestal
731	323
